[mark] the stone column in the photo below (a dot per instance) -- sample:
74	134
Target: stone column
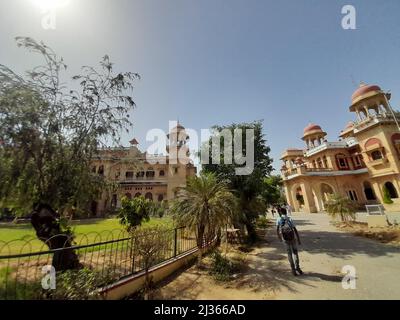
308	198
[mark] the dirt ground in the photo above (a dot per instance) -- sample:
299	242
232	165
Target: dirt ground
390	234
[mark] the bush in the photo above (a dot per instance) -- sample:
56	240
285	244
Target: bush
339	206
80	284
262	222
386	196
222	268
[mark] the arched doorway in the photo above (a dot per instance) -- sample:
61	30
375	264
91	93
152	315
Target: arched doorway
392	190
137	195
326	192
299	197
368	191
149	196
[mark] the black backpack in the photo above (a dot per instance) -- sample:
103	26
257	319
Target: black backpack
287	230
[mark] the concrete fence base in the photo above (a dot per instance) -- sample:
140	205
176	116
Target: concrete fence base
132	284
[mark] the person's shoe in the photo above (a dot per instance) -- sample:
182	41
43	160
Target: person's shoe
294	273
299	271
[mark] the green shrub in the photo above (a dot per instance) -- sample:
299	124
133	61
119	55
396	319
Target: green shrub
262	222
222	268
79	285
386	196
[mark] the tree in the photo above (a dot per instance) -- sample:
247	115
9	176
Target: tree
134	211
248	188
343	207
271	192
49	133
205	205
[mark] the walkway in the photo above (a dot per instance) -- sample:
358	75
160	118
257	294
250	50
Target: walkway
324	252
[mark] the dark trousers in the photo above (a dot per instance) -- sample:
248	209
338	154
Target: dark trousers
293	254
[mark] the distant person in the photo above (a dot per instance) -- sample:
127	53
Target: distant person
289	209
287	232
273	212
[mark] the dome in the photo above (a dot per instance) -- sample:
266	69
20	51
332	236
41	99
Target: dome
349	126
311	128
364	89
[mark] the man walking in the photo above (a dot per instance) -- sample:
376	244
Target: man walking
286	231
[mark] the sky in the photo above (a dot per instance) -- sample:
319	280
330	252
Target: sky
208	62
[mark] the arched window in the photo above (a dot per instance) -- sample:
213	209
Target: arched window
101	170
149	196
376	155
162	173
137	195
160	197
392	190
128	195
150	174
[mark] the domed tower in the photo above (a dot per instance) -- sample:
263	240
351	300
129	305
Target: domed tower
177	146
313	136
179	163
368	101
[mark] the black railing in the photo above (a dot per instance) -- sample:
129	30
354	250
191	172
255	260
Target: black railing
110	254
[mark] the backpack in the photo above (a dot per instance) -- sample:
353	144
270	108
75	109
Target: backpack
287	230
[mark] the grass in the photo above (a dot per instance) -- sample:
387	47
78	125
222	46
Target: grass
87	231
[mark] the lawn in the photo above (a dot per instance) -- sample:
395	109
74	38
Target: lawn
87	231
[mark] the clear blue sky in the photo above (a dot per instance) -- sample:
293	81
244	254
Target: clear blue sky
222	61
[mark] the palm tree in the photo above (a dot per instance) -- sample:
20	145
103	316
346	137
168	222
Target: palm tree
338	205
205	205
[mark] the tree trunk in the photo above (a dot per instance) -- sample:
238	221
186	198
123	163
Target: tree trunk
44	220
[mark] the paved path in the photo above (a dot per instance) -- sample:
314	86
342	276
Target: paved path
325	251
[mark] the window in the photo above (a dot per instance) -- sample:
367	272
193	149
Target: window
128	195
140	174
342	161
101	170
149	196
162	173
138	194
160	197
376	155
176	170
129	174
150	174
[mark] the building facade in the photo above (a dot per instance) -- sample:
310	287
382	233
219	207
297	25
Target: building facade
136	173
363	164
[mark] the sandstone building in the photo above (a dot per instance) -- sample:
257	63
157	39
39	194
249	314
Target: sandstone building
362	165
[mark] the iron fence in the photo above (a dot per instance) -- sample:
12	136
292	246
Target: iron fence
112	255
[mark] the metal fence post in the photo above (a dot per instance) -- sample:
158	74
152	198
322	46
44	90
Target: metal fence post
175	241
